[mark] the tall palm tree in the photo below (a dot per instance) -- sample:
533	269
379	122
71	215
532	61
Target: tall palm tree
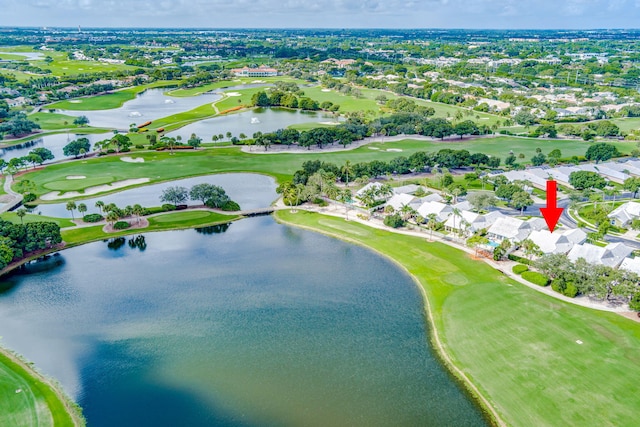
100	205
456	214
82	208
432	224
21	213
138	211
71	206
346	169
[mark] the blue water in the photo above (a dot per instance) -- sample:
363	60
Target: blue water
260	324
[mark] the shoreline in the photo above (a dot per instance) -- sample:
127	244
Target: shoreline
487	409
72	408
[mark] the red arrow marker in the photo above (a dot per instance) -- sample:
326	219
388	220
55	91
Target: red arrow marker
552	212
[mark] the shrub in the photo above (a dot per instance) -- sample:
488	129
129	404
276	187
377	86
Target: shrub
168	207
535	278
634	304
29	197
519	259
121	225
230	206
111	151
94	217
139	146
394	221
125	150
564	288
519	268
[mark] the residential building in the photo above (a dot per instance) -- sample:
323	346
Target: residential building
611	255
624	214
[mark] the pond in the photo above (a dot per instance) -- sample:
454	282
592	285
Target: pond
55	143
257	324
29	56
150	105
248	122
250	191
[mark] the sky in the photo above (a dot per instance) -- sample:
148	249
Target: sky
489	14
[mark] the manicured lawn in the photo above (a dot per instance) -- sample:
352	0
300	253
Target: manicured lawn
35	405
516	345
108	101
62	222
161	166
167	221
53	121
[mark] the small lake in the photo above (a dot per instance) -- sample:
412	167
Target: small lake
250	191
257	324
29	56
55	143
248	122
151	104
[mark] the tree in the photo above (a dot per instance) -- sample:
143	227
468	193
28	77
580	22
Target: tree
211	195
170	142
112	217
538	159
82	208
175	195
530	248
74	148
100	205
21	213
260	99
121	142
581	180
480	201
346	170
81	121
194	141
465	128
601	151
138	211
632	184
521	200
44	153
71	206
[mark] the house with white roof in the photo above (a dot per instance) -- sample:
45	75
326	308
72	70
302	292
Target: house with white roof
440	210
605	171
406	189
625	213
466	222
611	255
631	264
626	167
558	242
491	217
398	201
509	228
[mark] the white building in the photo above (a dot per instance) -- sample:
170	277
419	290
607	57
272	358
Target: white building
398	201
558	242
509	228
625	213
440	210
611	255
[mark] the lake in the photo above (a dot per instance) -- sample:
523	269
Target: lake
249	190
248	122
257	324
149	105
55	143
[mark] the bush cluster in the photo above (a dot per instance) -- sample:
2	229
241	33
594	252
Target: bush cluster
94	217
520	268
535	278
121	225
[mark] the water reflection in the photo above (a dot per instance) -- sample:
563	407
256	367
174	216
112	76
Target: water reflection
213	229
54	143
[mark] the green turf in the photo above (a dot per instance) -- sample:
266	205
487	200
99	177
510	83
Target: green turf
518	346
161	166
167	221
11	216
53	121
108	101
36	405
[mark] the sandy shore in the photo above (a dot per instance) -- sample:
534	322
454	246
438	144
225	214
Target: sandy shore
55	195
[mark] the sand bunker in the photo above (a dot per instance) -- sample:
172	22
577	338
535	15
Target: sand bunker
75	101
373	148
329	123
55	195
395	150
76	177
325	90
233	94
132	159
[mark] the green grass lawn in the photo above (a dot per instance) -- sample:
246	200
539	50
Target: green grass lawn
36	405
11	216
517	346
161	166
108	101
167	221
54	121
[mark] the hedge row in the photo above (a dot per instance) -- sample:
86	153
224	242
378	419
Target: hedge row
535	278
94	217
519	268
519	259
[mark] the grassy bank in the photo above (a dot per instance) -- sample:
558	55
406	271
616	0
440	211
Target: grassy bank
162	166
517	346
164	222
26	399
107	101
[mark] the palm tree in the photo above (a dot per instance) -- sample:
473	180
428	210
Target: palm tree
170	141
407	212
128	210
432	224
138	211
71	206
346	169
82	208
21	213
112	217
100	205
456	214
